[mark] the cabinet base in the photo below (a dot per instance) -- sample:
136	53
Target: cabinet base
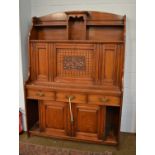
35	131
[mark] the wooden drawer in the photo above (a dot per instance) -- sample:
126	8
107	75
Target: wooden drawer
75	98
38	94
104	100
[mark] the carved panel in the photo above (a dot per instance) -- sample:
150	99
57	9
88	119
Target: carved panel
75	63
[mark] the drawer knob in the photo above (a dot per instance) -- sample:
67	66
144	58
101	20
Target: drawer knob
104	99
40	94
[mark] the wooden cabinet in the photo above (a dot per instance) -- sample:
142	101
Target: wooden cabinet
75	87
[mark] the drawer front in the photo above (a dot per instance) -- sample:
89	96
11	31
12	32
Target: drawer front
75	98
37	94
104	100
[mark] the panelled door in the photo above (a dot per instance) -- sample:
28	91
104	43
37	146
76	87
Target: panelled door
89	122
53	118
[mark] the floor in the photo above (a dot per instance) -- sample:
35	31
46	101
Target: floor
127	144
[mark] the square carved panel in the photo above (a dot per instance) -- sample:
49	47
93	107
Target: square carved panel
76	63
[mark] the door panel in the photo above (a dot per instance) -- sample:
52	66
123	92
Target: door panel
89	116
109	67
54	117
41	54
109	64
89	121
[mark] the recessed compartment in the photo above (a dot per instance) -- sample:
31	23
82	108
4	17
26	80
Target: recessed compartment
58	32
76	24
112	124
102	32
32	112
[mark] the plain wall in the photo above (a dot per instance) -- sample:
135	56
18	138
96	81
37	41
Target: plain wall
25	21
121	7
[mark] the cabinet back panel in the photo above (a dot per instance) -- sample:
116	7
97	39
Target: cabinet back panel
104	33
74	27
54	33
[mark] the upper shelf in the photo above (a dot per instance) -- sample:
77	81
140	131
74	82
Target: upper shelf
78	25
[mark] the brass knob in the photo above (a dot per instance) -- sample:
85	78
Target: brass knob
40	94
104	99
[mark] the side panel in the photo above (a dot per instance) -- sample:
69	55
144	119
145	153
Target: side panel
39	61
110	64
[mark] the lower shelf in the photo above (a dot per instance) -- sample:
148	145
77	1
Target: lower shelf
109	140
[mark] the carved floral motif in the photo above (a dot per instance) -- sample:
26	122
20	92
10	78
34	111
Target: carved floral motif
74	63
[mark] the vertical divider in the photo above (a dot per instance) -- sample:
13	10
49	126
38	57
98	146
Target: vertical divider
51	66
41	116
97	68
54	59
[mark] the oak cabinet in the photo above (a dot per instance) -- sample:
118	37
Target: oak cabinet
75	85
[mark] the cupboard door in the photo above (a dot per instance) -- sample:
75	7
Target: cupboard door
53	118
89	122
41	61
